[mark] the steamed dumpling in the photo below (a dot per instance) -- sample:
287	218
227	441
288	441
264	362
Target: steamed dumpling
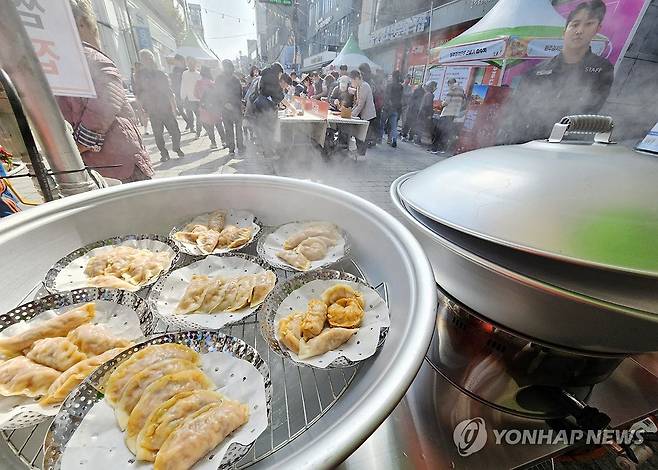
328	340
190	234
314	248
314	229
194	294
159	392
74	376
234	237
58	353
140	361
111	282
314	319
290	330
199	434
207	241
294	259
263	285
57	326
95	339
21	376
216	221
136	386
342	291
168	417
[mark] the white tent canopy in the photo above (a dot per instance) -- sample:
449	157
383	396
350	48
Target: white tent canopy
352	56
193	46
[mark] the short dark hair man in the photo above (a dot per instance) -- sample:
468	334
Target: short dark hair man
577	81
343	70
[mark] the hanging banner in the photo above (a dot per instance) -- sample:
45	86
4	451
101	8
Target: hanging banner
544	48
619	24
401	29
54	35
477	51
650	142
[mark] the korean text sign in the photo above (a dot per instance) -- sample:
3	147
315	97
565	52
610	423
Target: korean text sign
51	28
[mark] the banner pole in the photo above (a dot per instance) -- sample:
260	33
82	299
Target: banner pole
429	43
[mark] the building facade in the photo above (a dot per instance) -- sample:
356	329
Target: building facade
330	23
281	30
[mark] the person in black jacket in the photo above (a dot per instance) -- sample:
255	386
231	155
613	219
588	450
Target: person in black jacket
576	81
409	127
175	77
229	89
393	107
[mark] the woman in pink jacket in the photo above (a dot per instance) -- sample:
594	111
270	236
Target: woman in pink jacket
105	127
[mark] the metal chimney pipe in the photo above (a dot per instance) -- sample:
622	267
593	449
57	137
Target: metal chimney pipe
19	60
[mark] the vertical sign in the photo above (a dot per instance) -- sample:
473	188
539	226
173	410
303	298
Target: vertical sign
54	35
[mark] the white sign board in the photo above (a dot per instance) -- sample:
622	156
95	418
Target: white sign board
51	28
461	74
550	47
650	142
478	51
400	29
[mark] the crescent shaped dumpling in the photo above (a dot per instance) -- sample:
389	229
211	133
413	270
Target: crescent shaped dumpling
314	248
57	353
141	360
314	319
56	326
290	330
74	376
20	376
136	386
95	339
216	221
207	241
328	340
111	282
168	417
263	285
317	229
294	259
159	392
194	294
199	434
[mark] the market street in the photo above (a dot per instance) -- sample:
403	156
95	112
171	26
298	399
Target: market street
369	177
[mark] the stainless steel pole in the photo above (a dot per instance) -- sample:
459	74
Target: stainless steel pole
20	62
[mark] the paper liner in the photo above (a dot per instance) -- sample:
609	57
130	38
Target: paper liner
123	313
237	217
85	432
271	242
68	273
167	292
294	295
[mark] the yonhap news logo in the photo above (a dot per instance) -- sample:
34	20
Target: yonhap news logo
470	436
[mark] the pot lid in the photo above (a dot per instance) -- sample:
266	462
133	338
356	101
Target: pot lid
592	204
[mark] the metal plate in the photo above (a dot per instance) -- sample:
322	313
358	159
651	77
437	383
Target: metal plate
83	398
279	294
65	299
276	263
53	272
180	321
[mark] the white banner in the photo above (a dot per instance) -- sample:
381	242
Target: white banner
400	29
51	28
479	51
550	47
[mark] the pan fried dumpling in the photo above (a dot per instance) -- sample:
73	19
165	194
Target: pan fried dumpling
141	360
194	294
56	326
135	387
58	353
342	291
95	339
159	392
207	241
168	417
346	313
216	221
314	319
21	376
294	259
199	434
111	282
328	340
290	330
74	376
263	285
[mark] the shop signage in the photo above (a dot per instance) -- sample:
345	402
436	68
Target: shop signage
277	2
650	142
51	28
477	51
401	29
545	47
320	58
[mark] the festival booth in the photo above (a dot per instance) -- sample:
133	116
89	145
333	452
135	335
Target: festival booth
488	60
352	56
193	46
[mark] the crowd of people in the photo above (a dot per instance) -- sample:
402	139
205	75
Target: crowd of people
231	108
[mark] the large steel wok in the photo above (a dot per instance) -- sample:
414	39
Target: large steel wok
32	241
553	240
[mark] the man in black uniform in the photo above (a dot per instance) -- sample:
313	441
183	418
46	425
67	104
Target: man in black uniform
577	81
